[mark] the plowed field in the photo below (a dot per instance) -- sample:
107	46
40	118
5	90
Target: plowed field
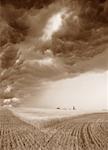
84	132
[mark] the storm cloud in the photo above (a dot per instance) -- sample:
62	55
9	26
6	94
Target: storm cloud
48	40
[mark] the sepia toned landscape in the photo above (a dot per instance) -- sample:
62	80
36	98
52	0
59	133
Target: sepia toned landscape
89	131
53	74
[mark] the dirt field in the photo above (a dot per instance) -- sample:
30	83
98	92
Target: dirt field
84	132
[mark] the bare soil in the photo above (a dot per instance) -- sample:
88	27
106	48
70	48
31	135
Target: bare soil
84	132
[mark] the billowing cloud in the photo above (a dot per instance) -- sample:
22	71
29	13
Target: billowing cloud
8	56
53	25
46	41
11	102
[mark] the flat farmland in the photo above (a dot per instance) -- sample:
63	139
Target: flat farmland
82	132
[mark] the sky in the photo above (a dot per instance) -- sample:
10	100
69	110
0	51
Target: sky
87	91
54	54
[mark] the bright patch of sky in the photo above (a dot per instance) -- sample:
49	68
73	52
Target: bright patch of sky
87	91
53	25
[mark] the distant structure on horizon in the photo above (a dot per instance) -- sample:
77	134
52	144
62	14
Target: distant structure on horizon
73	108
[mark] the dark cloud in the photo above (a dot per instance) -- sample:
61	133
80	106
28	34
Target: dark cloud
79	46
8	56
27	3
